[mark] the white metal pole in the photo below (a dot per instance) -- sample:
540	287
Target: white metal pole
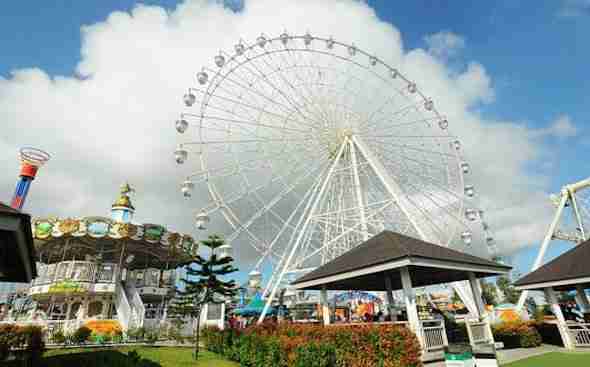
301	233
325	307
548	237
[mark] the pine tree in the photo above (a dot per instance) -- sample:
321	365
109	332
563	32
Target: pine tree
202	285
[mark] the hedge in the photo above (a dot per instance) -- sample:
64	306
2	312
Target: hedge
296	345
517	334
26	338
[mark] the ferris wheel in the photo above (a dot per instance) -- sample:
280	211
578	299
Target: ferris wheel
308	146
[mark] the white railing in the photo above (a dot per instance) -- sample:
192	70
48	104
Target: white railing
580	334
122	306
478	332
434	335
136	304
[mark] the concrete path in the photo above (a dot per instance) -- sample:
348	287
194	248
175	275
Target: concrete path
512	355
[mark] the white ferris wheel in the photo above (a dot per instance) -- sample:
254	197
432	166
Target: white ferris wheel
308	146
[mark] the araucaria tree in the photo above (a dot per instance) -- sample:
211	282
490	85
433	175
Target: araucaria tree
202	285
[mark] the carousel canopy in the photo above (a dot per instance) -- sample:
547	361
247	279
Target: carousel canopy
150	244
17	253
141	245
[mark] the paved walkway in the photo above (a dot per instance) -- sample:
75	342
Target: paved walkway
506	356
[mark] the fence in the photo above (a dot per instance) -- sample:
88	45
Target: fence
580	334
434	335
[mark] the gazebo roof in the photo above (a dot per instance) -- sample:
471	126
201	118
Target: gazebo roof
363	267
563	273
17	253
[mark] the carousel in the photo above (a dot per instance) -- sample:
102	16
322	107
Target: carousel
105	268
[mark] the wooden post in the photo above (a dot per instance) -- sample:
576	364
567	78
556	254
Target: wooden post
561	324
389	297
325	306
410	301
476	290
582	299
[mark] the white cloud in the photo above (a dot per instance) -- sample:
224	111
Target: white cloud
115	122
562	127
444	44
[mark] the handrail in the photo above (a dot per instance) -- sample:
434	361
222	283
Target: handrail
122	305
136	302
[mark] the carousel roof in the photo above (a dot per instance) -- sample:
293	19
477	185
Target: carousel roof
151	244
99	234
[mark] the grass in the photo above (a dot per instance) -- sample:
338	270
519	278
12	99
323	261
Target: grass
554	359
151	357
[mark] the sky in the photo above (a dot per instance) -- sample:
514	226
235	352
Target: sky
98	84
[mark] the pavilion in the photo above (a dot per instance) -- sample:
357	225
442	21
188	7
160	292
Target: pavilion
17	253
568	272
391	261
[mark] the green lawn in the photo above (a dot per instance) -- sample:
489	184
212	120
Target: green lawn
152	356
554	359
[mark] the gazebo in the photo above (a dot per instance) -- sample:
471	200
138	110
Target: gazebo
390	261
568	272
17	253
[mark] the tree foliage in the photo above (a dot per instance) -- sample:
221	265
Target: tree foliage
203	285
489	293
511	295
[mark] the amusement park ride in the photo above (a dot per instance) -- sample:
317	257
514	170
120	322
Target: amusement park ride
308	146
100	268
570	222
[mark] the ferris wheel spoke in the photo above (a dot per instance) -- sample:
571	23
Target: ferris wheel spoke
258	73
294	67
255	108
250	88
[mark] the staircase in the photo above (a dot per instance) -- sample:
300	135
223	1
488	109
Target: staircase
136	304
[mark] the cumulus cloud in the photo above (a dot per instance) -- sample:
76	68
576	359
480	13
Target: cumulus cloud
444	44
113	122
574	8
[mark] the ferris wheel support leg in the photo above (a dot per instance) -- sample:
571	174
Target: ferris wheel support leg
397	194
390	185
359	194
578	215
565	195
312	211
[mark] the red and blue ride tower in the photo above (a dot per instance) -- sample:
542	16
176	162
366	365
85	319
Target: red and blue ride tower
31	159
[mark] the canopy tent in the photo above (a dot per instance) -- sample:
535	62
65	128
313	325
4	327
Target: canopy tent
254	308
391	261
567	272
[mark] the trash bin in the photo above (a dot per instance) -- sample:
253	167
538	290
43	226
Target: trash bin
485	355
459	355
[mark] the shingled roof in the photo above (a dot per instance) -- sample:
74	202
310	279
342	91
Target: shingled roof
8	209
387	247
566	270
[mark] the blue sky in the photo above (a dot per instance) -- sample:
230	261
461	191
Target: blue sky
535	52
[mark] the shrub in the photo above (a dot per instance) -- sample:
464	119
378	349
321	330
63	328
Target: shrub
28	338
81	335
517	334
59	337
316	346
